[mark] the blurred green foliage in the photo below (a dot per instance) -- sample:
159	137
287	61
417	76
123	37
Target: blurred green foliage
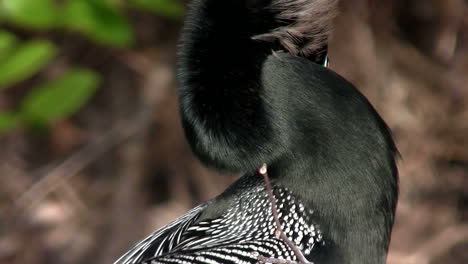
31	13
169	8
23	60
59	98
100	22
103	21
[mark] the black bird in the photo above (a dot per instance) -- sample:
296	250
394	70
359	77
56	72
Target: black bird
252	90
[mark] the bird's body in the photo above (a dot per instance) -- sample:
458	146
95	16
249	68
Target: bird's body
251	93
240	233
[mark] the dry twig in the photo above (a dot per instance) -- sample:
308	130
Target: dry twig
73	165
436	247
279	231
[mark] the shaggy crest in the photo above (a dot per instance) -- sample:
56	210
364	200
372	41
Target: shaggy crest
309	23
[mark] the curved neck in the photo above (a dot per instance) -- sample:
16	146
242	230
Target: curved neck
222	96
219	75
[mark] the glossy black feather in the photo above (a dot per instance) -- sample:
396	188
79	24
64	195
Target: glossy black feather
245	102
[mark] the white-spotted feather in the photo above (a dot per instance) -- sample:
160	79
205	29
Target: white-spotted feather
245	229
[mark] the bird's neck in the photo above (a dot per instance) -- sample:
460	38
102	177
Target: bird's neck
353	206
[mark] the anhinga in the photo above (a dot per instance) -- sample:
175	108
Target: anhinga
253	90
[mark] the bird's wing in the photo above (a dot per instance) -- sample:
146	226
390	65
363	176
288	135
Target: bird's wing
162	240
244	228
241	252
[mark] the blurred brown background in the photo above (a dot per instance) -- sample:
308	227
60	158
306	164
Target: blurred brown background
84	188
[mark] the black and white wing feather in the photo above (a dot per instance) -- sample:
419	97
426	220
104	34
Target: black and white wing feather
238	235
162	240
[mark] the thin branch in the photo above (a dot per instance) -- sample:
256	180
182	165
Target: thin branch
73	165
128	196
279	231
444	241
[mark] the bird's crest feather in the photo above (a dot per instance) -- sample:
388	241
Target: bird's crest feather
307	24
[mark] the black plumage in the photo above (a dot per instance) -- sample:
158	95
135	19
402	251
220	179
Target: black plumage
252	91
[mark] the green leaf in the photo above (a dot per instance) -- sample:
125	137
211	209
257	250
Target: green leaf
25	60
7	43
8	121
31	13
99	21
169	8
59	98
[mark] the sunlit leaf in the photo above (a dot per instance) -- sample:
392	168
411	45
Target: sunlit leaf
170	8
25	60
99	21
7	42
8	121
59	98
30	13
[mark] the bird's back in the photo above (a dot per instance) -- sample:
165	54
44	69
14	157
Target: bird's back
235	227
